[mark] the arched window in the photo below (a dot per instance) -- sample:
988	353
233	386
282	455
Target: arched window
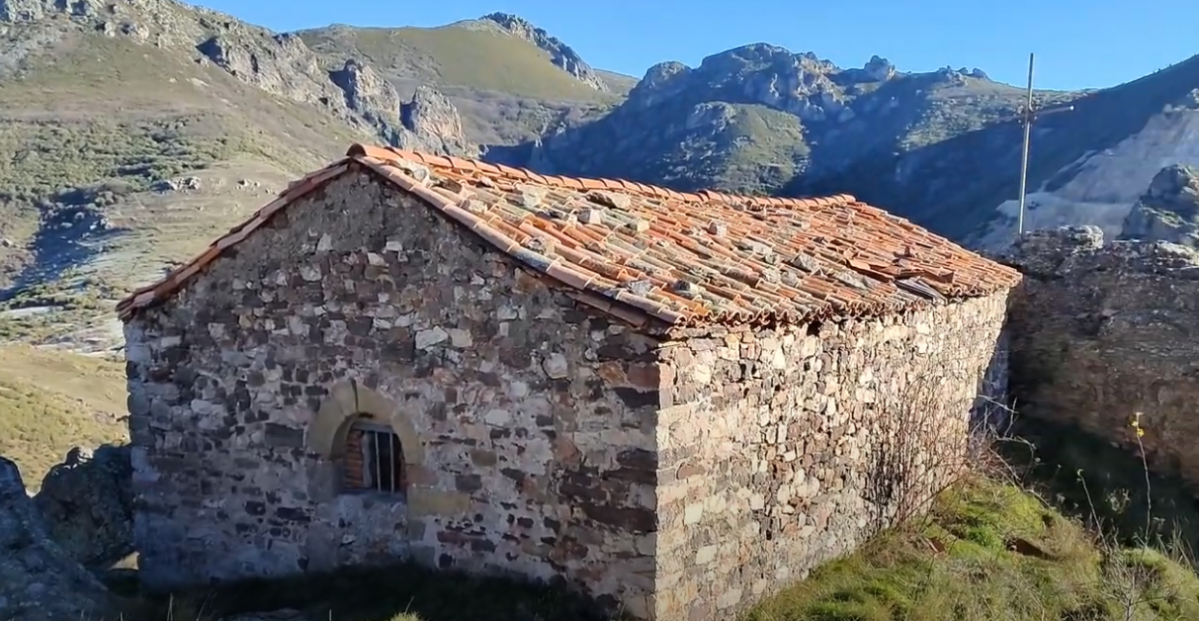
373	459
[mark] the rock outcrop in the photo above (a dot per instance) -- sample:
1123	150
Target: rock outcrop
1169	210
761	74
368	94
560	54
31	10
430	122
1103	331
87	505
38	580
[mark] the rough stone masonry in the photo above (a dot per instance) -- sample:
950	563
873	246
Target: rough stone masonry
676	479
1102	331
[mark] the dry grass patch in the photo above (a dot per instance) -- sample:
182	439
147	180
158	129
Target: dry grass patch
51	401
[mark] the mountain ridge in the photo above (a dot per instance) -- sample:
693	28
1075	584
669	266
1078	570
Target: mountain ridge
210	114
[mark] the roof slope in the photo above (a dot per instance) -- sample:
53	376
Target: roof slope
685	259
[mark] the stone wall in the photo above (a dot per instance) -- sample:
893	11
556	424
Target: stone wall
783	449
1103	331
527	424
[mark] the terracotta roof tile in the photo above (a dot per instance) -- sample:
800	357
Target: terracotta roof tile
683	258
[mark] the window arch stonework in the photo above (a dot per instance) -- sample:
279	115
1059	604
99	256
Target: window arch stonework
350	402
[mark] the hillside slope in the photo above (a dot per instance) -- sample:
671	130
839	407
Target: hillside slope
1092	165
53	401
141	129
136	132
510	79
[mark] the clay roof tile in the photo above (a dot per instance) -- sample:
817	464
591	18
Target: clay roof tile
742	259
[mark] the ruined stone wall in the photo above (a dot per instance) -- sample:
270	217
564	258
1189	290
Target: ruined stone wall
1103	331
782	449
527	423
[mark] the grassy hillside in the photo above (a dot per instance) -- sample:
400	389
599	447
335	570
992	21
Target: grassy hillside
125	158
506	88
51	401
455	55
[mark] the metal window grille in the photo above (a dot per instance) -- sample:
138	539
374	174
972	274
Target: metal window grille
379	465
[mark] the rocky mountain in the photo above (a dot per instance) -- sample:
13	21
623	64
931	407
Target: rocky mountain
1169	209
560	54
142	128
1088	166
755	118
510	80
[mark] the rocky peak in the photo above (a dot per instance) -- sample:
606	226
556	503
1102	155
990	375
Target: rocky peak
662	82
1169	209
561	54
368	94
878	69
759	73
431	122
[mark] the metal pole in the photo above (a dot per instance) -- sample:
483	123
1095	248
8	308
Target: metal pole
1024	153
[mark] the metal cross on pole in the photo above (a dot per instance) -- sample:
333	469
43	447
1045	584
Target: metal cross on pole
1027	115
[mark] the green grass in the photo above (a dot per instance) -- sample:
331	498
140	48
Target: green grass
991	551
764	150
108	113
458	56
51	401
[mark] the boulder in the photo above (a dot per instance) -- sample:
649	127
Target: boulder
38	580
1169	209
87	505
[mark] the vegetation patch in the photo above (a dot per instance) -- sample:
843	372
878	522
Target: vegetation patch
51	401
765	148
988	551
458	56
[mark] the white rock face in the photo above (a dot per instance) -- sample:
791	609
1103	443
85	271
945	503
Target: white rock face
1108	183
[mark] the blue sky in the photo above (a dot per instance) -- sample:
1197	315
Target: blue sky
1078	43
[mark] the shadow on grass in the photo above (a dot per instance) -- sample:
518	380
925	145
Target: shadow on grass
1086	477
401	592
